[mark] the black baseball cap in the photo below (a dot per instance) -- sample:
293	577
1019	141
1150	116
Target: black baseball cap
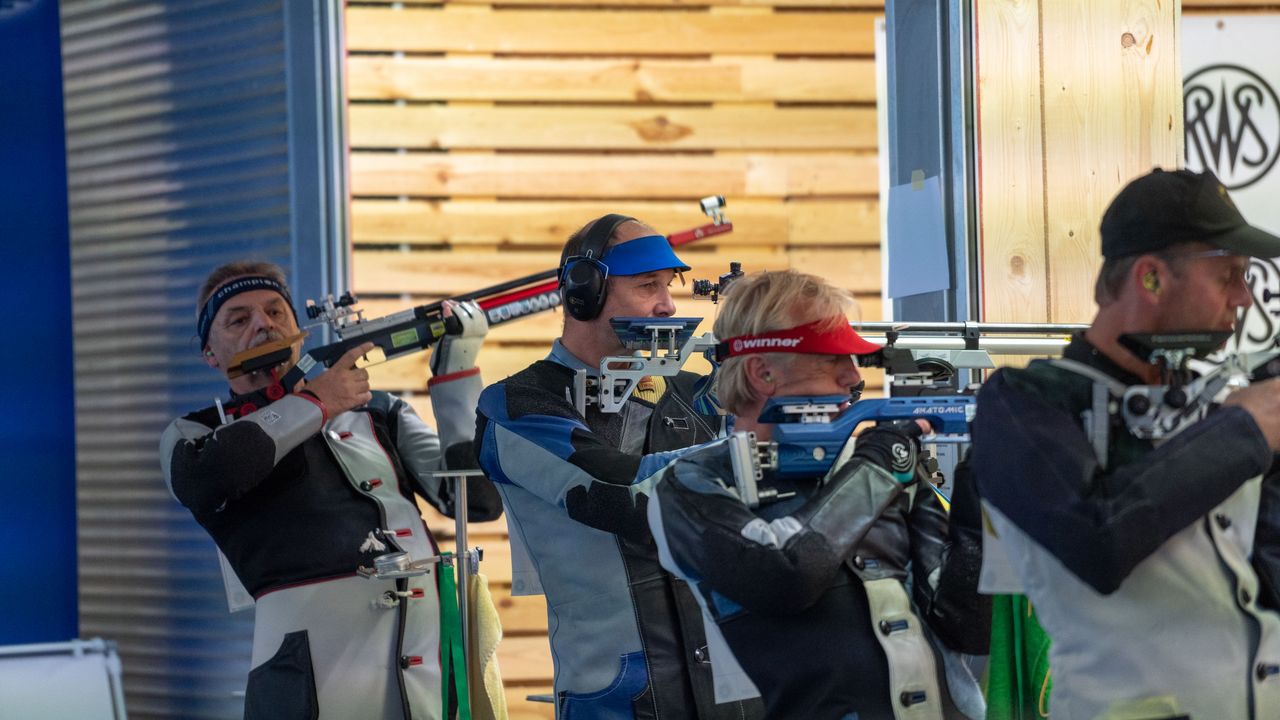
1165	208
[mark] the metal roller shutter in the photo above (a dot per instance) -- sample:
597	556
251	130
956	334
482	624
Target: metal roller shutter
186	124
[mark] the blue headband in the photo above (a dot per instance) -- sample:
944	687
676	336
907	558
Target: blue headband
642	255
230	290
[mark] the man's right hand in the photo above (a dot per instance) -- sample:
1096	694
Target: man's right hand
343	386
1262	401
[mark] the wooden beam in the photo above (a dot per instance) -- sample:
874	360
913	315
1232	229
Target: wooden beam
648	80
525	660
854	221
421	403
581	176
611	128
587	32
520	708
410	372
496	565
523	615
442	527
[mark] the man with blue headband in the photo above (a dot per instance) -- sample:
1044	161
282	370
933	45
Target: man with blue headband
300	486
627	637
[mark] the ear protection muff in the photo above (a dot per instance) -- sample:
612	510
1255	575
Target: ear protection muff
1151	281
583	277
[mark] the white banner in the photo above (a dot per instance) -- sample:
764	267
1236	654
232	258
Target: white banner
1231	73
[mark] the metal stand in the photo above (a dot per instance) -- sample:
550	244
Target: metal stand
393	566
468	563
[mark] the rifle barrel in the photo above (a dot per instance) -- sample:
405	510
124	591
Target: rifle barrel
994	346
509	285
906	327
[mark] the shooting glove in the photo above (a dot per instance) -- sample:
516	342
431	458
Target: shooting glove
892	446
455	353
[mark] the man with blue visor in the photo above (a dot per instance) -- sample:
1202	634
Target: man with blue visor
627	638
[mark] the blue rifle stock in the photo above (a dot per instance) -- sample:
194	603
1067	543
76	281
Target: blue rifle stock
807	444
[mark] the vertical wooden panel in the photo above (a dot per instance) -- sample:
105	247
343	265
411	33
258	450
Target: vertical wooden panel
1106	121
1010	161
1153	103
1084	148
1075	98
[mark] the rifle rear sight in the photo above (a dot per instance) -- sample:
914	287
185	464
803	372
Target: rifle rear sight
708	289
328	307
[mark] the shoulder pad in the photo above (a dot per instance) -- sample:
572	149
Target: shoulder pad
1056	385
543	373
206	416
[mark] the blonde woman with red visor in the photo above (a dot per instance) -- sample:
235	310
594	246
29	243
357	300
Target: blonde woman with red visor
851	597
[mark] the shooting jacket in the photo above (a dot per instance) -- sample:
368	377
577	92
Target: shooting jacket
813	597
295	506
1139	570
626	637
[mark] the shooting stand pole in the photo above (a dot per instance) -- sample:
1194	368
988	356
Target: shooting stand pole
467	561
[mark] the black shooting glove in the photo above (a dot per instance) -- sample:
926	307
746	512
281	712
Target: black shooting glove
892	446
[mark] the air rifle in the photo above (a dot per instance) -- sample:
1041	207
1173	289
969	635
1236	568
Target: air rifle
922	358
809	433
1156	412
417	328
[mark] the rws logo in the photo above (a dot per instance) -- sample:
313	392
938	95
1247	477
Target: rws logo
1258	324
1232	118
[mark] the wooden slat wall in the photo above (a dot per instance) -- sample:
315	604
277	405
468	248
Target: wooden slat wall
470	140
483	134
1076	98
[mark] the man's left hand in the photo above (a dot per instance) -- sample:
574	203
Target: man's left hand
455	353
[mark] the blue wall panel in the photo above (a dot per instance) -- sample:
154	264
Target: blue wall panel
37	440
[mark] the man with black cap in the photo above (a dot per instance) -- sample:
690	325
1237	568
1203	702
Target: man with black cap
626	637
300	486
1134	553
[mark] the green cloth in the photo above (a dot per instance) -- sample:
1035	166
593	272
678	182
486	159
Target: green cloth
453	661
1018	680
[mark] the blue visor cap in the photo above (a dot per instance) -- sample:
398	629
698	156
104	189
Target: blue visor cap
642	255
